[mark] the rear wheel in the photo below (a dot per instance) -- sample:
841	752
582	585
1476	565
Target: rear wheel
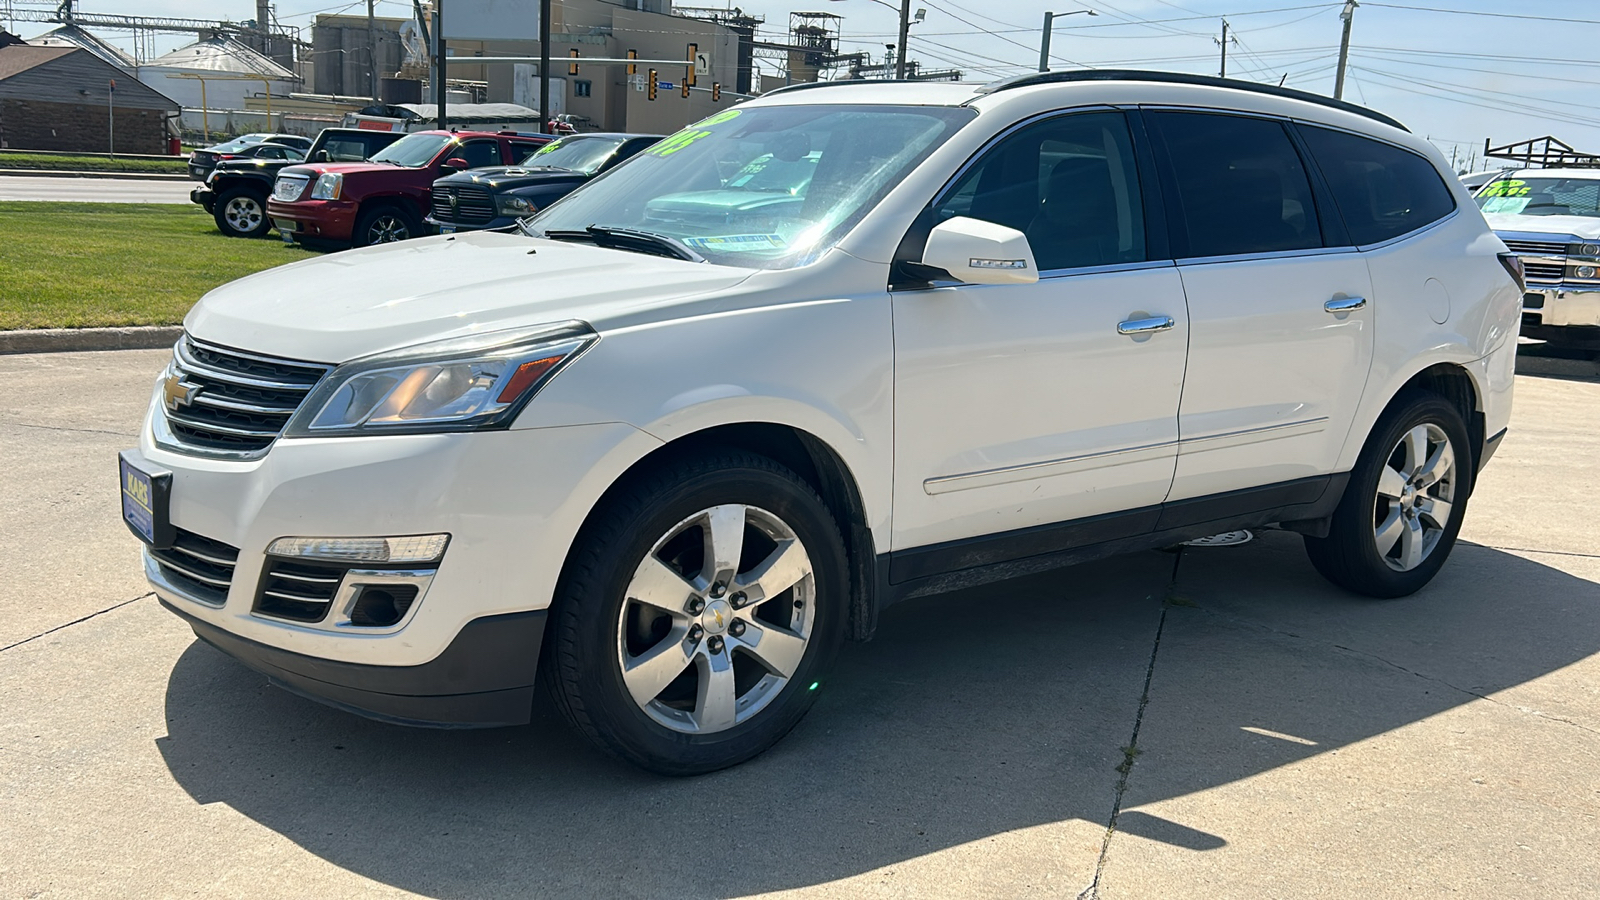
385	225
240	212
699	611
1404	504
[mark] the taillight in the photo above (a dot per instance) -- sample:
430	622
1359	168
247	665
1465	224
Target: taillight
1513	264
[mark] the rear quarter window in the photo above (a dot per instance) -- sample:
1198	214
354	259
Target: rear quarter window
1382	191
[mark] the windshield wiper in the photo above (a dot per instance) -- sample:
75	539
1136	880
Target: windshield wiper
630	239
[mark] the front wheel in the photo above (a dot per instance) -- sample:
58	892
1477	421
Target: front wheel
698	614
1404	504
385	225
241	213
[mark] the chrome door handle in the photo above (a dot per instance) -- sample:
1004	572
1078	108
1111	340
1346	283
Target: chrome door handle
1345	304
1145	326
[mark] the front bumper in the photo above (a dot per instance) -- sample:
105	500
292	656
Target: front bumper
332	220
440	226
204	196
483	679
1561	305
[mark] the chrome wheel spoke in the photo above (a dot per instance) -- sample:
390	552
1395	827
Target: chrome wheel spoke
781	570
1416	444
648	674
715	704
655	584
1389	532
1438	512
779	650
1411	544
1438	465
724	537
1391	484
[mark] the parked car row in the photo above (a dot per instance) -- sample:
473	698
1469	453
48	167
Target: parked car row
359	187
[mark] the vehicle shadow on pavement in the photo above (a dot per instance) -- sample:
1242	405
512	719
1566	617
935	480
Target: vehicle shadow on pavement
970	716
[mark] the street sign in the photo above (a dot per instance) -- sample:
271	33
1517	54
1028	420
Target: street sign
702	62
665	85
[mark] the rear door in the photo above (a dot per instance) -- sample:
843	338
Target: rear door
1280	336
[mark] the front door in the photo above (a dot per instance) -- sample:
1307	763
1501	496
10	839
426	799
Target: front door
1280	324
1024	405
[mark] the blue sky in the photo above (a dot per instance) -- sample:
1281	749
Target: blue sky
1456	70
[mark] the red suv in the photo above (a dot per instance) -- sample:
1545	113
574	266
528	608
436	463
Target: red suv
385	198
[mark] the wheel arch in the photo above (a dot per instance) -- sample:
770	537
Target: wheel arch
818	464
1458	385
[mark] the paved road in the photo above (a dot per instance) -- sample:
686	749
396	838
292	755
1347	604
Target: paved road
1285	739
94	190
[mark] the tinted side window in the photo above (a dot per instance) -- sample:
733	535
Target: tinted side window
1240	184
1382	191
478	153
340	150
1070	184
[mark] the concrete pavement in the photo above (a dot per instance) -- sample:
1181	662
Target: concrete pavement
1215	723
94	190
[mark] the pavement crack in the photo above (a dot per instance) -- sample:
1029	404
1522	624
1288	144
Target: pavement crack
102	612
126	434
1131	752
1550	552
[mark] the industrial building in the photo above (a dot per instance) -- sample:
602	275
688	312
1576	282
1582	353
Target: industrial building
61	98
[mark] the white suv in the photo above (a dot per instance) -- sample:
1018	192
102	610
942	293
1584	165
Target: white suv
669	447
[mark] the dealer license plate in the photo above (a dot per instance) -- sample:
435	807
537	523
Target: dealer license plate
145	498
447	229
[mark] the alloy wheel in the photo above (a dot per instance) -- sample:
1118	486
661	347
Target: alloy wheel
386	229
243	214
1416	495
716	619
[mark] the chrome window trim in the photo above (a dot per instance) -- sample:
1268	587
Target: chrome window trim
1415	232
1271	254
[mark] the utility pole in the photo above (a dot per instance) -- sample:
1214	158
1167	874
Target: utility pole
1044	35
372	50
1347	14
1224	45
438	43
111	120
544	66
905	29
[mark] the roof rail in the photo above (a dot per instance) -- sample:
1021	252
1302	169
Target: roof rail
1184	78
805	85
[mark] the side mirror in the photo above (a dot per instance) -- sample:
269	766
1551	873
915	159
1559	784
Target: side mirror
321	156
456	163
979	252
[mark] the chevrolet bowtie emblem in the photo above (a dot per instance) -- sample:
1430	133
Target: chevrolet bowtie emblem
177	392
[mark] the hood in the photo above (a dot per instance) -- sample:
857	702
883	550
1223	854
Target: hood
349	168
253	165
351	304
506	177
1586	227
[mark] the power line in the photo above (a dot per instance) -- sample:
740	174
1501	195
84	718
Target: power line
1494	15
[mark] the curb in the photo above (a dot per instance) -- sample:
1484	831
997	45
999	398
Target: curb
65	340
1558	368
65	173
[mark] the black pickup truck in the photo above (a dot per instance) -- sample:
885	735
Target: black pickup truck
496	197
236	191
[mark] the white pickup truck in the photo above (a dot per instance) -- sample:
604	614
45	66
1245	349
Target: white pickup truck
1551	219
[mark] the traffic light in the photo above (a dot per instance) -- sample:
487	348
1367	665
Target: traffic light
572	68
716	92
688	74
633	69
685	86
651	94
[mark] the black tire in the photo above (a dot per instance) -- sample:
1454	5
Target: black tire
1349	556
581	666
241	212
385	223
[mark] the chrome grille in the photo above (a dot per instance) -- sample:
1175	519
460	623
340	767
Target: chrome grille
202	567
298	591
227	402
289	187
1543	272
469	204
1538	248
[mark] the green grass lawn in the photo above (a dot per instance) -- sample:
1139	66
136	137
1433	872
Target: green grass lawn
177	165
79	265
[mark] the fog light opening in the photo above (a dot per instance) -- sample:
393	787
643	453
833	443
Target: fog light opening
381	606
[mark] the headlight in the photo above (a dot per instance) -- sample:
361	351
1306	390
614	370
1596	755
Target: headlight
460	384
1585	272
512	205
328	186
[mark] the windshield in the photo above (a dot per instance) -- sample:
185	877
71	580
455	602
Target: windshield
1542	197
769	187
412	151
580	154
